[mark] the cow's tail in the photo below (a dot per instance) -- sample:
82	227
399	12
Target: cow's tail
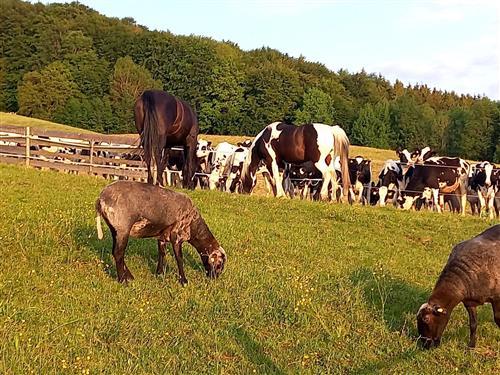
149	135
341	149
98	219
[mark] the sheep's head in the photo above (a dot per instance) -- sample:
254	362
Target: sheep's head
431	322
215	262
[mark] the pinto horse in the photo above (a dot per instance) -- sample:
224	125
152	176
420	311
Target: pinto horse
163	121
278	143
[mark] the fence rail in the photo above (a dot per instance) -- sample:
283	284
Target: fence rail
95	154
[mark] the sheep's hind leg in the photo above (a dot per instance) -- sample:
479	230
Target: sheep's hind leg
120	242
472	325
160	268
496	311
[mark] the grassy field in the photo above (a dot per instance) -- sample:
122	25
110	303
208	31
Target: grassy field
309	288
17	120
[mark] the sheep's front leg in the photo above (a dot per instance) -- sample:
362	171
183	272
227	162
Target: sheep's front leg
472	325
160	268
177	246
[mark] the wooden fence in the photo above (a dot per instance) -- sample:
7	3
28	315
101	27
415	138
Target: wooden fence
109	156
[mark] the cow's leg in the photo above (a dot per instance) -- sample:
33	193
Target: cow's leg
177	246
463	197
360	192
491	201
435	199
162	166
482	201
120	241
160	268
382	192
472	324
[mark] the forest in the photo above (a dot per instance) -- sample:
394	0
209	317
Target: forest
67	63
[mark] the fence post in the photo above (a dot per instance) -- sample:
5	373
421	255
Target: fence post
27	153
91	159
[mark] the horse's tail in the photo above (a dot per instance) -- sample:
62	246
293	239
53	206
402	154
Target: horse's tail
149	135
341	149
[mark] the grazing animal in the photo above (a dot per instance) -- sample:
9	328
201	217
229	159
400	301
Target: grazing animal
441	175
421	155
392	179
471	276
204	156
234	167
164	121
304	180
223	152
360	174
143	210
280	143
485	180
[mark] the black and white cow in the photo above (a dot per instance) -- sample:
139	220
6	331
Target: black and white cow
234	167
485	180
392	179
303	180
223	152
441	175
360	173
204	156
418	156
421	155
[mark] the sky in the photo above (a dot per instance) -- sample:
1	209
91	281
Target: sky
450	45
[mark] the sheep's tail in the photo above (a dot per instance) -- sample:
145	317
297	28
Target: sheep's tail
98	219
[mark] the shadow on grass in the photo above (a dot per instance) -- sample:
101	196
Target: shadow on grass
145	247
255	352
391	300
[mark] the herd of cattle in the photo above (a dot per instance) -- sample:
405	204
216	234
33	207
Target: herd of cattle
416	179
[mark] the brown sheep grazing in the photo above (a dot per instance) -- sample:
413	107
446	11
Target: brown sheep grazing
142	210
471	276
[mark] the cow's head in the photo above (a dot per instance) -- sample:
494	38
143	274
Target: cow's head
404	156
483	175
421	155
364	174
203	148
246	143
406	201
431	322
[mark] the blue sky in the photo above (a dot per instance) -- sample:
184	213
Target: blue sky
451	45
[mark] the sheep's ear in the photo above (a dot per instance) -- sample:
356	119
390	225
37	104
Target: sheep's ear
438	310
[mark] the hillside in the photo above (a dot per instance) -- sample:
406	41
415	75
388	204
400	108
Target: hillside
12	119
69	64
309	288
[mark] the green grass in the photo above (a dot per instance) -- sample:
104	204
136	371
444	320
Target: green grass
309	288
12	119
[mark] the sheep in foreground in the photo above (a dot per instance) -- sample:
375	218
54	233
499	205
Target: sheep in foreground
142	210
471	276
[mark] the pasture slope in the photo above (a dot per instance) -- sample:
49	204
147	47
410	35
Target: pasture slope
378	156
309	288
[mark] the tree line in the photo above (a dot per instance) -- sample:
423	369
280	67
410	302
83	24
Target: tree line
68	63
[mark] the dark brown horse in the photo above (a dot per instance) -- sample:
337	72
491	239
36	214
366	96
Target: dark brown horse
164	121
